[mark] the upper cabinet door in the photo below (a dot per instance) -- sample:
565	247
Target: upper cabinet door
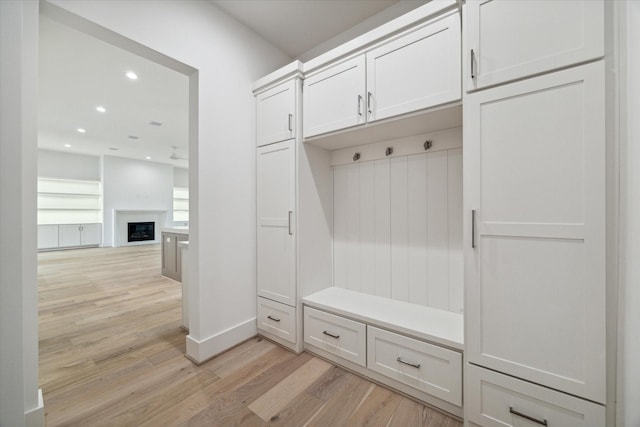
335	98
508	40
276	222
276	109
416	71
535	282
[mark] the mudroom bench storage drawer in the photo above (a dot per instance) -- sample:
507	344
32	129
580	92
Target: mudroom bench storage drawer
495	399
277	319
335	334
426	367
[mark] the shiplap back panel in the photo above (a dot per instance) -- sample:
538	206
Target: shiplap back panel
398	228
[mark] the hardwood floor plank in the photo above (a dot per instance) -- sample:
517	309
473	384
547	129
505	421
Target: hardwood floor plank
377	409
272	402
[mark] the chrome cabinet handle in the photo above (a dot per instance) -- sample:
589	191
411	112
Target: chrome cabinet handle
331	335
290	120
473	229
290	233
369	102
275	319
542	422
404	362
359	105
473	58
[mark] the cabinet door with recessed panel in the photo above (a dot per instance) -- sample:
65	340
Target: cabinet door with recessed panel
534	160
276	223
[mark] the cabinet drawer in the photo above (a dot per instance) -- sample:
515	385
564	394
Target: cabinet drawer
335	334
493	399
277	319
425	367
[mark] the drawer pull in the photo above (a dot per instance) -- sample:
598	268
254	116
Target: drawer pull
527	417
275	319
404	362
331	335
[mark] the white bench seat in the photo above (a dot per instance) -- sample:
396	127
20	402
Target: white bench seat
429	324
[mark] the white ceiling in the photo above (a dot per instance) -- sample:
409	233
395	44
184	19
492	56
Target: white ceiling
79	72
297	26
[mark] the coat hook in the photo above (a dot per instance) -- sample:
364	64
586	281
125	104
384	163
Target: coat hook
389	151
356	157
428	144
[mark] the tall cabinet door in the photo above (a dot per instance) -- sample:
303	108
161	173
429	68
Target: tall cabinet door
507	40
416	71
275	115
535	244
276	223
335	98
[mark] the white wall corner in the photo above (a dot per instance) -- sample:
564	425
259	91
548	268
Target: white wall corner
201	351
35	417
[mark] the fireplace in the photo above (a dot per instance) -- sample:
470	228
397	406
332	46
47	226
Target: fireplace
141	231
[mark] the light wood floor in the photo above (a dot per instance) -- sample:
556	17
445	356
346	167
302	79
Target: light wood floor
112	354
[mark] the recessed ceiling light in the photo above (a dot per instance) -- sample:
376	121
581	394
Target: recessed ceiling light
154	123
101	109
131	75
148	158
113	148
81	130
133	137
67	145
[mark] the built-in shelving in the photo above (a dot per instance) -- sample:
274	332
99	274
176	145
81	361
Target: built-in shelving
68	201
180	204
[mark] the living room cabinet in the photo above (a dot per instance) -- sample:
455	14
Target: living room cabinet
417	70
71	235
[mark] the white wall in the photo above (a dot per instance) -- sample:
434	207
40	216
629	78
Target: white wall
57	164
181	177
228	58
135	185
19	397
629	356
382	17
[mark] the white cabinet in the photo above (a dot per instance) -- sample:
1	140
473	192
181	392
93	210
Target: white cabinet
71	235
499	400
47	236
423	366
535	244
507	40
277	320
276	255
343	337
91	234
415	71
335	98
276	113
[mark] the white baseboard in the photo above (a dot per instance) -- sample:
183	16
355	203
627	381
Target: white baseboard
201	351
35	416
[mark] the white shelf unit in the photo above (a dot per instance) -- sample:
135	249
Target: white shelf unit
67	201
180	204
69	213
